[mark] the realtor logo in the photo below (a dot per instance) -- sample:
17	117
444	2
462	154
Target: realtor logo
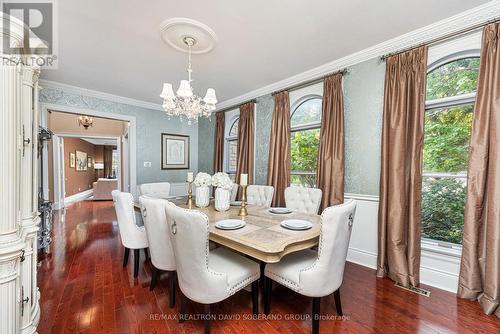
29	33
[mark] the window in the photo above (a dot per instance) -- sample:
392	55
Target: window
232	148
448	119
305	130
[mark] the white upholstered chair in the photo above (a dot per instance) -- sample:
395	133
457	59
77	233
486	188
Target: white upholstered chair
133	236
160	249
156	190
260	195
303	199
205	276
317	273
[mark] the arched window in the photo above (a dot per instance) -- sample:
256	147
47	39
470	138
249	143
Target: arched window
305	124
232	147
450	96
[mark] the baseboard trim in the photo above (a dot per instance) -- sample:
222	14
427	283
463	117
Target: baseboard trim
78	197
440	279
362	257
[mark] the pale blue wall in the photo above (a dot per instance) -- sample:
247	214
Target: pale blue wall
263	119
206	134
150	124
363	108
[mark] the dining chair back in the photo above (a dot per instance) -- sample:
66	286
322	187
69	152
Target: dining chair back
132	236
156	190
189	239
325	276
303	199
317	273
260	195
162	256
205	276
155	221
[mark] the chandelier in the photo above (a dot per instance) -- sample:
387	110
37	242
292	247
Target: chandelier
185	103
85	121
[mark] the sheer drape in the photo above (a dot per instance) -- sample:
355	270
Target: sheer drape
331	145
401	170
278	173
219	142
480	267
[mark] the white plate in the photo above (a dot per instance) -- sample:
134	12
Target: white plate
296	224
280	210
235	203
230	224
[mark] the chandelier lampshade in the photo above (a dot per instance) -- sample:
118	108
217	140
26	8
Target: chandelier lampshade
167	92
210	97
185	103
185	89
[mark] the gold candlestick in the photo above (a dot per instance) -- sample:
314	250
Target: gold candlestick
243	209
190	195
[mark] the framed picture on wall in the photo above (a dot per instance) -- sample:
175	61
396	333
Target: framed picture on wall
89	162
81	161
174	151
72	160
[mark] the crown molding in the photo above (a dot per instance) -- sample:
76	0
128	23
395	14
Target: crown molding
99	95
454	24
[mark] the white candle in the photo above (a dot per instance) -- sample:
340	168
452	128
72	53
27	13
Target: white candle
190	177
243	179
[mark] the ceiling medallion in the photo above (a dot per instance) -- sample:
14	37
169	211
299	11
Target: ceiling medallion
185	103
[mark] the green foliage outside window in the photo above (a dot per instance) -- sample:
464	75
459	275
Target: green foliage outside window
305	143
446	142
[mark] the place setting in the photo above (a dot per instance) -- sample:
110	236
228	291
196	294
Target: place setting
296	224
230	224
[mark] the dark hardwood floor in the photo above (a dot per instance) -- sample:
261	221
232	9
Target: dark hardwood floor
84	289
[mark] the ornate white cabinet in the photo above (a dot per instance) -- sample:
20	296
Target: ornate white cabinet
19	296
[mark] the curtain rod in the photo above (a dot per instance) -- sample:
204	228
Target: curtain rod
236	105
311	81
441	38
293	87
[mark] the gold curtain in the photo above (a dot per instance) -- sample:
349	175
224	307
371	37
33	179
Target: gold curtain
246	131
480	267
401	169
331	145
219	142
278	172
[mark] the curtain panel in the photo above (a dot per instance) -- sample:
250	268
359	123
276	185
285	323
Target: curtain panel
401	168
480	266
246	137
278	172
219	142
331	145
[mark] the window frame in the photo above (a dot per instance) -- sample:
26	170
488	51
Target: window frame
228	139
305	126
428	244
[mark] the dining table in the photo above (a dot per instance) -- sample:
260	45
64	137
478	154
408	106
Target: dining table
262	238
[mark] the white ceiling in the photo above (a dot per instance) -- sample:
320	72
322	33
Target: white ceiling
115	46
